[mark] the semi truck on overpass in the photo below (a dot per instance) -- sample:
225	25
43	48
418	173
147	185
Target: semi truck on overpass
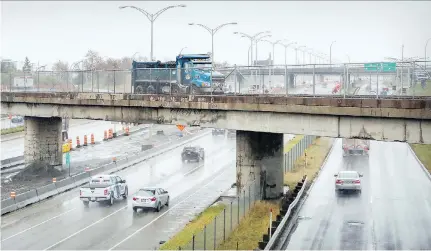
191	74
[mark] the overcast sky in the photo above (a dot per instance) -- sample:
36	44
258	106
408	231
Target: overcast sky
61	30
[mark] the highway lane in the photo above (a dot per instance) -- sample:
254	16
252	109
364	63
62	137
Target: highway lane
392	212
102	226
13	145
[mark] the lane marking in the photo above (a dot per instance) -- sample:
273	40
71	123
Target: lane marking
167	211
94	223
98	221
23	231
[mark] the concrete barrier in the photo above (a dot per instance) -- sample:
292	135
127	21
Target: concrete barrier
8	205
47	191
81	178
65	184
27	198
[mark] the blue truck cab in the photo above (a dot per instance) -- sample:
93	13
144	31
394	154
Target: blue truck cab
189	74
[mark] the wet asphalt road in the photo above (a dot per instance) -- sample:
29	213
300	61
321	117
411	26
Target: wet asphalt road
392	212
63	223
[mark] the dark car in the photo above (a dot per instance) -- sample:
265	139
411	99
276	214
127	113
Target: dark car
17	119
217	132
192	153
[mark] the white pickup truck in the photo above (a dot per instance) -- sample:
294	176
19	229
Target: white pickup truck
104	188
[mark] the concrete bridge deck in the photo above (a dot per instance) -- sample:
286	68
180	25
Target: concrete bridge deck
402	119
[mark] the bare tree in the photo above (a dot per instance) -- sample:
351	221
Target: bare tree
60	66
92	61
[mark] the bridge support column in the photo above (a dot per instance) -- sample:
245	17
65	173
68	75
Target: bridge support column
42	143
259	158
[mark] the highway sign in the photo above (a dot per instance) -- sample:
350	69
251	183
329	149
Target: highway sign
384	66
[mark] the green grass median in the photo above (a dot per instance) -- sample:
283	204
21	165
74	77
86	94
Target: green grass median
424	154
12	130
316	154
183	237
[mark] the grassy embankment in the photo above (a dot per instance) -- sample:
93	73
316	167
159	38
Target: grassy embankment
12	130
250	229
424	154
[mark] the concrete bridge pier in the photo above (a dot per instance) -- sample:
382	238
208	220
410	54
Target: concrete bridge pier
259	158
43	142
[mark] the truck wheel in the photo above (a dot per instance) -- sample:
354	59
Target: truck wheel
151	89
86	203
111	200
194	90
126	192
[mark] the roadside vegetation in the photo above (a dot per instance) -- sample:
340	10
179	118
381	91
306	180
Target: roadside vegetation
12	130
248	233
195	226
250	229
316	154
424	154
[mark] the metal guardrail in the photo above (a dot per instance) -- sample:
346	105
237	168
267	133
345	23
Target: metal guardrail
275	236
35	195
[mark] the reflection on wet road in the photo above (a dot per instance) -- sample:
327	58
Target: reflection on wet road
64	223
392	212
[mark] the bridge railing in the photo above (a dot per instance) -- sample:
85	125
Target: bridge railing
380	80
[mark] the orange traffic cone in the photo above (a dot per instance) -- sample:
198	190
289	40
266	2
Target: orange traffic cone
78	143
85	140
92	139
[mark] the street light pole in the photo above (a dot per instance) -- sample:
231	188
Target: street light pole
152	18
285	51
182	50
330	53
212	32
252	38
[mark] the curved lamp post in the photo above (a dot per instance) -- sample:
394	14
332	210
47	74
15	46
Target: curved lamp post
152	18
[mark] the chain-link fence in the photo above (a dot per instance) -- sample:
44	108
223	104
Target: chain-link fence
296	151
219	229
216	232
361	79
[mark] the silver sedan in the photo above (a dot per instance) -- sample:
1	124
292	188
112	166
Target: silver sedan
348	180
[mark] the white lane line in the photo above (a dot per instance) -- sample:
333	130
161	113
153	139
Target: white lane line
94	223
167	211
30	228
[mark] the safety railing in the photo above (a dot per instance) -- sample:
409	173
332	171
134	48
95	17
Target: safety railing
378	80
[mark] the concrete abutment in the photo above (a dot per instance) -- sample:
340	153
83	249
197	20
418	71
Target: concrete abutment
259	157
43	142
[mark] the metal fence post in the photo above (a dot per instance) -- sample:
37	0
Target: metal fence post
249	196
231	215
92	80
193	242
215	232
244	201
238	210
314	79
224	224
114	82
82	81
170	82
235	78
205	237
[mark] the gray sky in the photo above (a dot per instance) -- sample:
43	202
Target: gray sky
60	30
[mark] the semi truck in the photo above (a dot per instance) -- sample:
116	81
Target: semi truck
352	147
189	74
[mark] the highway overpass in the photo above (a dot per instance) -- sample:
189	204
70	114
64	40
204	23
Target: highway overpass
260	121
